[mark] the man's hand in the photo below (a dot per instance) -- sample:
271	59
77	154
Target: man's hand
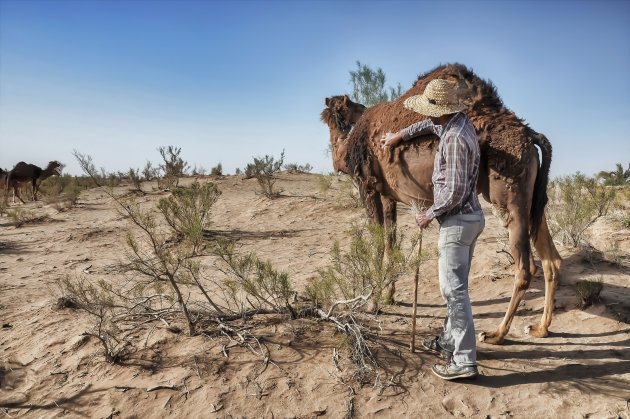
422	220
390	139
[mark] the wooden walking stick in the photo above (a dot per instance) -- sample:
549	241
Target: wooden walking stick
415	297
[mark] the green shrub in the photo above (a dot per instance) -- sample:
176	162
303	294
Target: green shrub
618	177
264	170
187	210
366	268
173	166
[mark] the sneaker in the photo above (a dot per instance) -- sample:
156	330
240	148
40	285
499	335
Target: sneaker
432	344
451	371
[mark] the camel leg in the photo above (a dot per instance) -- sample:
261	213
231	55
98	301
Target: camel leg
34	190
373	206
520	249
390	218
551	262
15	193
533	269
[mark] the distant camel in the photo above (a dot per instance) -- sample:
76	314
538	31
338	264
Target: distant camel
3	178
25	172
511	177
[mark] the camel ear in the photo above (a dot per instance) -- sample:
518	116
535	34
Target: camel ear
346	99
327	102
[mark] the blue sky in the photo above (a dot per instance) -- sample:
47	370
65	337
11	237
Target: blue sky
226	81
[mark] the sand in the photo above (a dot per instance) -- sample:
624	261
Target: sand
48	369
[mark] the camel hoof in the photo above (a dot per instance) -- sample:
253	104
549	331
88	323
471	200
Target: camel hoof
536	331
491	338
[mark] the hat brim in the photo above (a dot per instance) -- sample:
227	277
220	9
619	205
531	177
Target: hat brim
421	105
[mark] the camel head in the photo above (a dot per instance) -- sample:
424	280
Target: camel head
54	167
340	115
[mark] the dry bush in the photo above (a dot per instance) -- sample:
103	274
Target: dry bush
217	170
357	279
575	203
114	312
171	256
252	284
149	172
198	171
21	216
350	191
135	179
589	291
367	269
264	170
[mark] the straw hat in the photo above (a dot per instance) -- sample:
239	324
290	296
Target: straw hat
439	98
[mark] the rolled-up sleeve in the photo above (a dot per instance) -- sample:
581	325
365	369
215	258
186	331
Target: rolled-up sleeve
422	127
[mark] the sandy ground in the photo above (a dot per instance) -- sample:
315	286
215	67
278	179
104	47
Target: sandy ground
47	369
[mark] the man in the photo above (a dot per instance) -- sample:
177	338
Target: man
457	210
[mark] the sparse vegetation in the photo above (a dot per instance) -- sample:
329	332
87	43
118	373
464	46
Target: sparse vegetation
325	182
575	203
351	192
264	170
61	192
298	168
167	280
173	167
199	171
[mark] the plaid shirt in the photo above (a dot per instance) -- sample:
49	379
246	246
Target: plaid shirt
456	166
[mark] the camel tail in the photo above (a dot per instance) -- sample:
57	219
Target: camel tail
539	201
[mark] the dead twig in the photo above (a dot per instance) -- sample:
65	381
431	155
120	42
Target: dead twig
162	387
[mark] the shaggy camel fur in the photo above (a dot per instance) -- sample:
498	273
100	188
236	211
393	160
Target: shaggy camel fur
511	177
25	172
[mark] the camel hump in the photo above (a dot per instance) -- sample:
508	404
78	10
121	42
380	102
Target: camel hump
21	165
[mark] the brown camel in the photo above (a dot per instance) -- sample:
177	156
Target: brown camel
25	172
511	177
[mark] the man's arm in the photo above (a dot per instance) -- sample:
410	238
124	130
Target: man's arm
422	127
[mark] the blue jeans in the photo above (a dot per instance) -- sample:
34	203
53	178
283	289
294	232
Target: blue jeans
458	235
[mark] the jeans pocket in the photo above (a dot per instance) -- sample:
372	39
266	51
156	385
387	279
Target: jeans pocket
469	232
